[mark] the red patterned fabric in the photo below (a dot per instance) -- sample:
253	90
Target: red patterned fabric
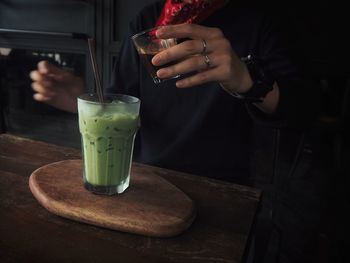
192	11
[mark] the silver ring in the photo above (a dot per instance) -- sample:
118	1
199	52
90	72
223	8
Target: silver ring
207	60
204	43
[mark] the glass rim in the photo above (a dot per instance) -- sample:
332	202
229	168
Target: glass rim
86	97
144	31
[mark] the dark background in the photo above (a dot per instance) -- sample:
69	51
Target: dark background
317	40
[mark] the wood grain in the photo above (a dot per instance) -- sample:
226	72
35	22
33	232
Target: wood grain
225	214
151	205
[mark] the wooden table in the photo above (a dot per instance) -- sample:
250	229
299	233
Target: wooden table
29	233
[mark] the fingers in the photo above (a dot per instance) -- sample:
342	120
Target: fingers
190	48
192	31
218	69
207	52
42	83
200	78
191	64
44	67
47	71
41	98
222	59
177	52
45	88
35	75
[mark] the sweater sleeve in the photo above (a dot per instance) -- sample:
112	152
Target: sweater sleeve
298	99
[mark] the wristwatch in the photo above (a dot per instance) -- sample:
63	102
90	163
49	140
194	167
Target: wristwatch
262	81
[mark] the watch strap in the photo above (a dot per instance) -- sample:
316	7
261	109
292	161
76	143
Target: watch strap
262	81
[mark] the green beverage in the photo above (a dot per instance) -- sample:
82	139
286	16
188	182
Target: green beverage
108	131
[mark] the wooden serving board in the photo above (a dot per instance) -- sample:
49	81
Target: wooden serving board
151	205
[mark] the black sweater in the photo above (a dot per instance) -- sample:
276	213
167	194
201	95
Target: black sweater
204	130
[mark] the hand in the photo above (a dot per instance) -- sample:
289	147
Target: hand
223	66
56	87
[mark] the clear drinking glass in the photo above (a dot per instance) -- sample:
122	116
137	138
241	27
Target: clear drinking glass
108	131
148	45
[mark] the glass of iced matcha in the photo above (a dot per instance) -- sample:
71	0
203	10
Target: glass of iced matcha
108	131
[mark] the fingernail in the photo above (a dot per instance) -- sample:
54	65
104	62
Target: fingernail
180	84
34	75
155	60
41	65
161	73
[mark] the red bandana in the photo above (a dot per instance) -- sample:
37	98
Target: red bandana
194	11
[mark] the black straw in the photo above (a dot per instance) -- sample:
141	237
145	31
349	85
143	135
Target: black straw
92	50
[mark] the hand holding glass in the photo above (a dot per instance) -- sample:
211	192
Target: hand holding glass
148	45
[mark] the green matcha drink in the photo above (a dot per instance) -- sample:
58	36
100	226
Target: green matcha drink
108	132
